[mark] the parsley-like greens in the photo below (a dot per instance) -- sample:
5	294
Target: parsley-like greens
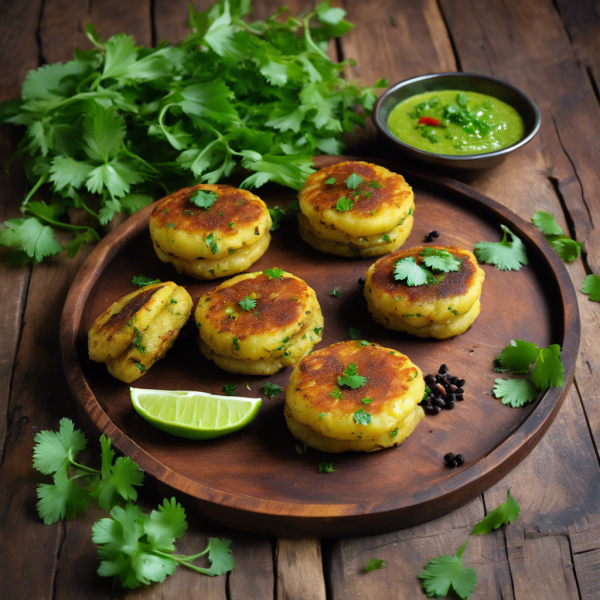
142	281
273	273
408	270
301	449
344	204
440	260
361	417
354	181
507	256
374	564
204	199
354	333
271	389
337	292
351	378
124	122
591	286
55	453
277	215
336	393
139	548
212	243
518	357
565	247
229	389
330	181
325	467
447	573
247	303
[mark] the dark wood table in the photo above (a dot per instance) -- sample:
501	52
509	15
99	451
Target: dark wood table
551	50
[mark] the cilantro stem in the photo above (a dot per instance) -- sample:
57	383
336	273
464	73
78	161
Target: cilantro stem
35	188
85	207
64	225
83	468
309	41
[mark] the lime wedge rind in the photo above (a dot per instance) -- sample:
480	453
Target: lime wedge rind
194	415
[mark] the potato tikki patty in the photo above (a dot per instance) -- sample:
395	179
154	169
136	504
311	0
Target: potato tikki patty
139	329
354	396
427	291
210	231
355	209
258	323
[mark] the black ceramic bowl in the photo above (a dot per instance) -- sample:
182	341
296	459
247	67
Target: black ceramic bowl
467	82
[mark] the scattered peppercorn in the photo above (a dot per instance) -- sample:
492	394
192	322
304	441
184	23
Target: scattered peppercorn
432	235
454	460
361	281
445	391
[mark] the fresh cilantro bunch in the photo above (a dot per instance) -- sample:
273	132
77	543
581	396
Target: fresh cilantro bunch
139	548
518	357
122	125
54	454
448	573
505	255
435	261
565	247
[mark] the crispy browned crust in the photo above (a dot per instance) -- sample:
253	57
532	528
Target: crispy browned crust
279	303
387	377
327	195
455	283
117	321
233	205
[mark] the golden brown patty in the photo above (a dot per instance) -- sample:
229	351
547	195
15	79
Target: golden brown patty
261	323
440	310
318	399
187	235
136	331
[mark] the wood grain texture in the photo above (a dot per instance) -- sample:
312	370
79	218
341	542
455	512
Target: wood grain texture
299	569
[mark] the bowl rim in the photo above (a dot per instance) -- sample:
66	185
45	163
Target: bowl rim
383	128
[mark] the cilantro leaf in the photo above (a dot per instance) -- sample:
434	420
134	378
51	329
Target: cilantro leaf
354	333
301	450
440	260
274	273
591	286
61	500
31	236
374	564
504	514
203	199
446	573
277	215
142	281
54	451
507	256
353	181
376	185
166	525
518	356
414	274
229	389
336	393
548	370
351	378
515	392
344	204
330	181
220	558
567	249
361	417
117	480
326	467
271	389
247	303
337	292
546	223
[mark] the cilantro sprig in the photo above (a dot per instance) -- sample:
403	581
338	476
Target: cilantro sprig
446	574
54	454
204	199
591	286
123	122
271	389
274	273
435	261
519	357
247	303
142	281
505	255
351	378
565	247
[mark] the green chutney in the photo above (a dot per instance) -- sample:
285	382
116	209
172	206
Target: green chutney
455	122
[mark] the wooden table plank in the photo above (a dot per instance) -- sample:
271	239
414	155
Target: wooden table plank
299	569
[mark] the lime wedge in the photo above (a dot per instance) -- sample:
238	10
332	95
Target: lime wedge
194	415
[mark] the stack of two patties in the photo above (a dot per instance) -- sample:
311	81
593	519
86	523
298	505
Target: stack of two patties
354	396
355	209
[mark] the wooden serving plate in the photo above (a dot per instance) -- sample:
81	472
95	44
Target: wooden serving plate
255	479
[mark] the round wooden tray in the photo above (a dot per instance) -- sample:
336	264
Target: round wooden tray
255	479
